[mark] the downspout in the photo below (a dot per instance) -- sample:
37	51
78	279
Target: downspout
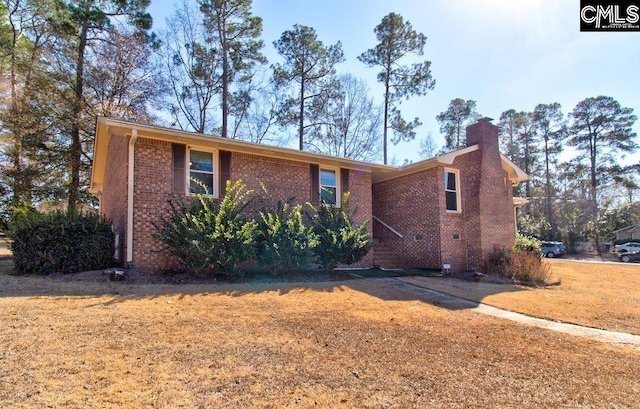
465	221
130	167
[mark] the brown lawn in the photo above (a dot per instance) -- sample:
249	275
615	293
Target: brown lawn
358	343
4	248
598	295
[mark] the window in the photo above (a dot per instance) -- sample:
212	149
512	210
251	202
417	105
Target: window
452	190
329	187
201	174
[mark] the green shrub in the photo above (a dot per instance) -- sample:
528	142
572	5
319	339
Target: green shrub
283	240
210	236
61	242
528	244
340	242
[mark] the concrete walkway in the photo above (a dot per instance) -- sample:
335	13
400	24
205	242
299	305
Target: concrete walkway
449	301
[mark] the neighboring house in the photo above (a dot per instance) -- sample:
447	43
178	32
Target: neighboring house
631	233
455	208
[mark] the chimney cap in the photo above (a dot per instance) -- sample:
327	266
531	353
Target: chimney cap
485	119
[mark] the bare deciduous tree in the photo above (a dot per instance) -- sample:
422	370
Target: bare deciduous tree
349	123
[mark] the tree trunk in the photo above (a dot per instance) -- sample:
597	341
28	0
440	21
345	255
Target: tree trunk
16	187
593	193
75	152
386	118
527	169
225	93
225	71
549	209
301	119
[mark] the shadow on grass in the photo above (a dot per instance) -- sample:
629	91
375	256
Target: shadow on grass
380	273
390	285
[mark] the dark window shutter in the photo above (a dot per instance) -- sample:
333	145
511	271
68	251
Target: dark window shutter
225	171
344	180
315	184
179	168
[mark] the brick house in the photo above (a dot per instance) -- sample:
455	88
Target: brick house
454	208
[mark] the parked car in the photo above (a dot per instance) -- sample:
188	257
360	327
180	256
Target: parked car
553	248
627	247
629	256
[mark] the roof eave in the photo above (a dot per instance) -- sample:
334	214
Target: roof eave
444	159
515	174
105	127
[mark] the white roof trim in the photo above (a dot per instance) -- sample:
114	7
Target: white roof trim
448	158
516	174
519	201
107	126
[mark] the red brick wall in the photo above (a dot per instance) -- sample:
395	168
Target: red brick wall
414	204
495	199
152	186
459	252
360	199
409	205
285	178
282	178
113	202
470	166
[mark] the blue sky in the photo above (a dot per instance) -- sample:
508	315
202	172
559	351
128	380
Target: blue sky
501	53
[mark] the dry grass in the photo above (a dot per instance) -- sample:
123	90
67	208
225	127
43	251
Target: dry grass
598	295
347	344
4	248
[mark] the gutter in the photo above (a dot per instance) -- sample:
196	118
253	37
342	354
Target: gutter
132	144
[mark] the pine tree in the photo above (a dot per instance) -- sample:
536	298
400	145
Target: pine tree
310	64
397	39
601	131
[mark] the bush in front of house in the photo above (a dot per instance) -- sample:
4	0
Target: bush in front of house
283	241
339	240
60	242
528	244
210	236
524	263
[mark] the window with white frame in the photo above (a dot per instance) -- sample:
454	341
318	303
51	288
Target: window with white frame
201	174
452	190
329	186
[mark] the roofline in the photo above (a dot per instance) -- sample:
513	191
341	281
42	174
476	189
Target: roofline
176	135
440	160
520	201
518	175
105	127
633	226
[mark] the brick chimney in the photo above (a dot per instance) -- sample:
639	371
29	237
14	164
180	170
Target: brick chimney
495	218
482	132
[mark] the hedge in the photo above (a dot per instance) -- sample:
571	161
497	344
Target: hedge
61	242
